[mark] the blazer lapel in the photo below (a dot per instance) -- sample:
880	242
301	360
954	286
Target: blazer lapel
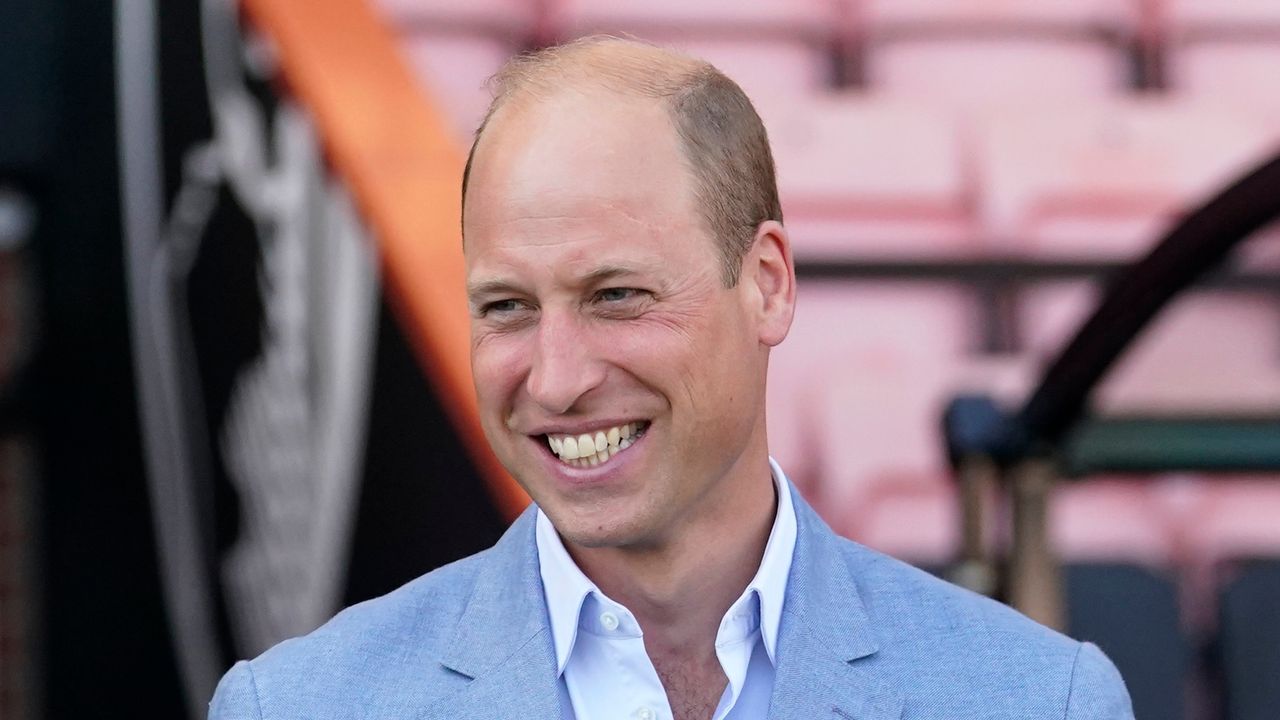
503	639
826	648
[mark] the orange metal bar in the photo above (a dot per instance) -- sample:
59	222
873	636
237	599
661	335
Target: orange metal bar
384	137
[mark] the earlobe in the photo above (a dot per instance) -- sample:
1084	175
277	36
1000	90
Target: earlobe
774	276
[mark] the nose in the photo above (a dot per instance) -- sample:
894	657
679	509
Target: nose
564	366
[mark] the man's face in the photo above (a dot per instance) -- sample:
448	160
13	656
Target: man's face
618	379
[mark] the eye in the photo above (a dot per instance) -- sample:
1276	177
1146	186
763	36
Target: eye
616	295
501	307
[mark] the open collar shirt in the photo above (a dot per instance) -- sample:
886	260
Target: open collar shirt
605	673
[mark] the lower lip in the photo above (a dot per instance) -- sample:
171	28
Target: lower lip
574	476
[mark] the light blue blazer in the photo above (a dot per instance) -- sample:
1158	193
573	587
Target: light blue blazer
862	637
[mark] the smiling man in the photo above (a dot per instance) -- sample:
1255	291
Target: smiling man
628	272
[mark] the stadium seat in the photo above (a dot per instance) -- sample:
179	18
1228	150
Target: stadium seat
1232	519
1206	353
512	20
915	519
878	435
969	53
862	343
453	69
867	177
1103	180
1248	644
455	47
1049	315
1226	51
1112	520
769	47
884	478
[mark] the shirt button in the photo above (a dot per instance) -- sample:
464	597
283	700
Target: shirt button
610	623
644	713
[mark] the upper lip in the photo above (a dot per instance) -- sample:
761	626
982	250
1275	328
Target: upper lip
580	427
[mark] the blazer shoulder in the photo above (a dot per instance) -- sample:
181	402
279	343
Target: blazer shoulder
371	649
928	627
904	599
1097	690
427	605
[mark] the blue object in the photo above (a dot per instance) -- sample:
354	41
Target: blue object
862	636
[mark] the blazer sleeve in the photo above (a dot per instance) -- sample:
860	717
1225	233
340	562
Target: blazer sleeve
1097	690
237	695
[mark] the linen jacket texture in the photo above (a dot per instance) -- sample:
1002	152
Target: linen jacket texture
863	636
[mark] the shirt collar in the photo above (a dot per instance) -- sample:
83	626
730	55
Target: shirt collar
566	588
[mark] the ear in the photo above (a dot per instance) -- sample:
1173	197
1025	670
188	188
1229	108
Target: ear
769	277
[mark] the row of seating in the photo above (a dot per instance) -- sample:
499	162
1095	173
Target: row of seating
862	175
964	53
857	390
889	174
1183	20
866	175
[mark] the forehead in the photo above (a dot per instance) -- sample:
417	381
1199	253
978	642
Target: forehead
578	169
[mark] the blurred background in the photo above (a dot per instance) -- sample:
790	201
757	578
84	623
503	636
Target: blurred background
234	392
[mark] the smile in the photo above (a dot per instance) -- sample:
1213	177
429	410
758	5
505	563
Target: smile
592	449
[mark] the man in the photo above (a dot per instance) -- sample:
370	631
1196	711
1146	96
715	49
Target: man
628	272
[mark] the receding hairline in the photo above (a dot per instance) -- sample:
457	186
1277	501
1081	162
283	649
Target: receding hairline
724	145
618	66
604	62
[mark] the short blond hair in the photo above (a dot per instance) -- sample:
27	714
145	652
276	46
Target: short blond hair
721	135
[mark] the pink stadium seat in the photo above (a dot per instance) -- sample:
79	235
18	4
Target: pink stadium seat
1050	314
512	20
1226	51
1217	520
913	519
862	176
802	19
1207	352
1103	520
1235	519
969	53
763	69
867	350
768	47
453	68
1104	179
883	477
455	47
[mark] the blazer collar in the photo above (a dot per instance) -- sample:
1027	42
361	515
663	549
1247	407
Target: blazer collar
826	665
503	638
826	650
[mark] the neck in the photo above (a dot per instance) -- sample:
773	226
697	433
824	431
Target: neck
679	590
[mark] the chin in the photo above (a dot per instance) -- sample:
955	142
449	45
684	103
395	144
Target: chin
598	529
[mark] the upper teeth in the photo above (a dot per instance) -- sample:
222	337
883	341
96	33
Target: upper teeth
594	448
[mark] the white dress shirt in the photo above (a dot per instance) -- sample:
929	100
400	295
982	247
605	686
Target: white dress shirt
605	673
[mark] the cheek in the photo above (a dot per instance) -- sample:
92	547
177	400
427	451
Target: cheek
498	367
689	357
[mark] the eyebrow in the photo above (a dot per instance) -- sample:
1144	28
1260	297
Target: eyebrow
502	286
608	272
496	286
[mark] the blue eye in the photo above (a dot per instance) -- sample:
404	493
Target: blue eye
617	294
501	306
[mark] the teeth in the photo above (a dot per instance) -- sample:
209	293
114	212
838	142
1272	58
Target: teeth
590	450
